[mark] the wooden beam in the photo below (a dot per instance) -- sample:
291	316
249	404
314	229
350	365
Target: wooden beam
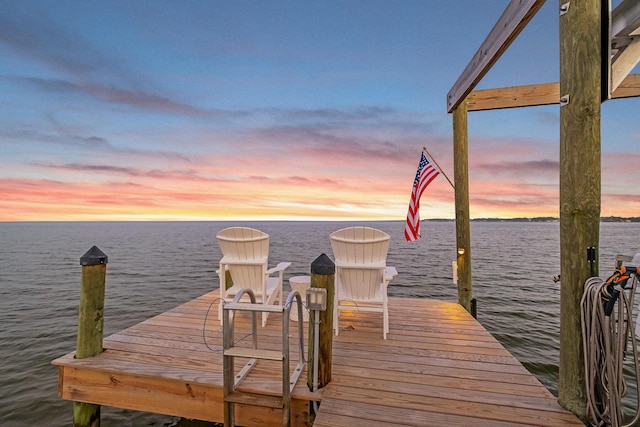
580	191
514	18
630	87
463	228
537	94
625	61
516	96
625	26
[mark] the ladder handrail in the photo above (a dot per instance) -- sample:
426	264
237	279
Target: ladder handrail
288	382
290	297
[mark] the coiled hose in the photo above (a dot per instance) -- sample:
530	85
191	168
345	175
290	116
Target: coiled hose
606	334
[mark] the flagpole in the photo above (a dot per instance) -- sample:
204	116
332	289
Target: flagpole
439	168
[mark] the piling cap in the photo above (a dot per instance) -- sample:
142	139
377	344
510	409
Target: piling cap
323	265
94	256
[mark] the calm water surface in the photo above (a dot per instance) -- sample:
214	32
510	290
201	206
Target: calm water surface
156	266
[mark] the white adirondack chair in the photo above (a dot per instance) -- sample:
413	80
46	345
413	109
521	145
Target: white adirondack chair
245	253
362	275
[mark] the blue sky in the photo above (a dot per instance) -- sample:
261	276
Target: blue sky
122	110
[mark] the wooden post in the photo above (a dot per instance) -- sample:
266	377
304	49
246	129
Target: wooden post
461	178
322	276
580	83
90	325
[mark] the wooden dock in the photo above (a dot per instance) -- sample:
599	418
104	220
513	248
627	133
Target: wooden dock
438	367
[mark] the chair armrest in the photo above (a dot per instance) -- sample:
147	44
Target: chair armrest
226	268
360	265
390	273
280	267
230	261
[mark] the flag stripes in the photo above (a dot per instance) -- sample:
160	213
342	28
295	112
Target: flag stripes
426	173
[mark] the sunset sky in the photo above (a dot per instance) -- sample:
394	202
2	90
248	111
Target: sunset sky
207	110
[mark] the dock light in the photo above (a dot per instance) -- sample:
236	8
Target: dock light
317	299
460	251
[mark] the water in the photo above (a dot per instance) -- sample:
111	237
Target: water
156	266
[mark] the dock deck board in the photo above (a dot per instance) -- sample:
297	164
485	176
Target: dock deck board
438	367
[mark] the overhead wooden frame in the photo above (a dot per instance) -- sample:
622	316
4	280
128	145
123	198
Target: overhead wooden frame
537	94
624	50
592	49
512	21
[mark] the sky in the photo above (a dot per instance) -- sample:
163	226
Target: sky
276	110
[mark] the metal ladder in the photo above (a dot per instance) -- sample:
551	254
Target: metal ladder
230	351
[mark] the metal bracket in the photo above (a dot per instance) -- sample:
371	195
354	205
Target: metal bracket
564	100
564	8
591	259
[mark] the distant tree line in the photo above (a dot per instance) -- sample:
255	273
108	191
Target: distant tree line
543	219
620	219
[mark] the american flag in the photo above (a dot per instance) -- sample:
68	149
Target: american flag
426	173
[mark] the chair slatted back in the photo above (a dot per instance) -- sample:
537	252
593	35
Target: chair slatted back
360	254
243	243
360	245
360	284
246	252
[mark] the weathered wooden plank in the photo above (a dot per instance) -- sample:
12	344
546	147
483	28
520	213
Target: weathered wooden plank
630	87
435	355
165	344
122	390
512	21
177	392
461	372
154	343
418	390
538	94
161	359
401	338
485	383
442	365
256	399
498	412
149	369
624	63
516	96
338	420
354	337
186	399
339	413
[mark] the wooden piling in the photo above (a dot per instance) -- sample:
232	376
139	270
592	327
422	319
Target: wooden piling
580	87
90	325
322	276
461	178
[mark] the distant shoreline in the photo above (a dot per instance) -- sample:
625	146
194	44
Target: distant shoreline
540	219
521	219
